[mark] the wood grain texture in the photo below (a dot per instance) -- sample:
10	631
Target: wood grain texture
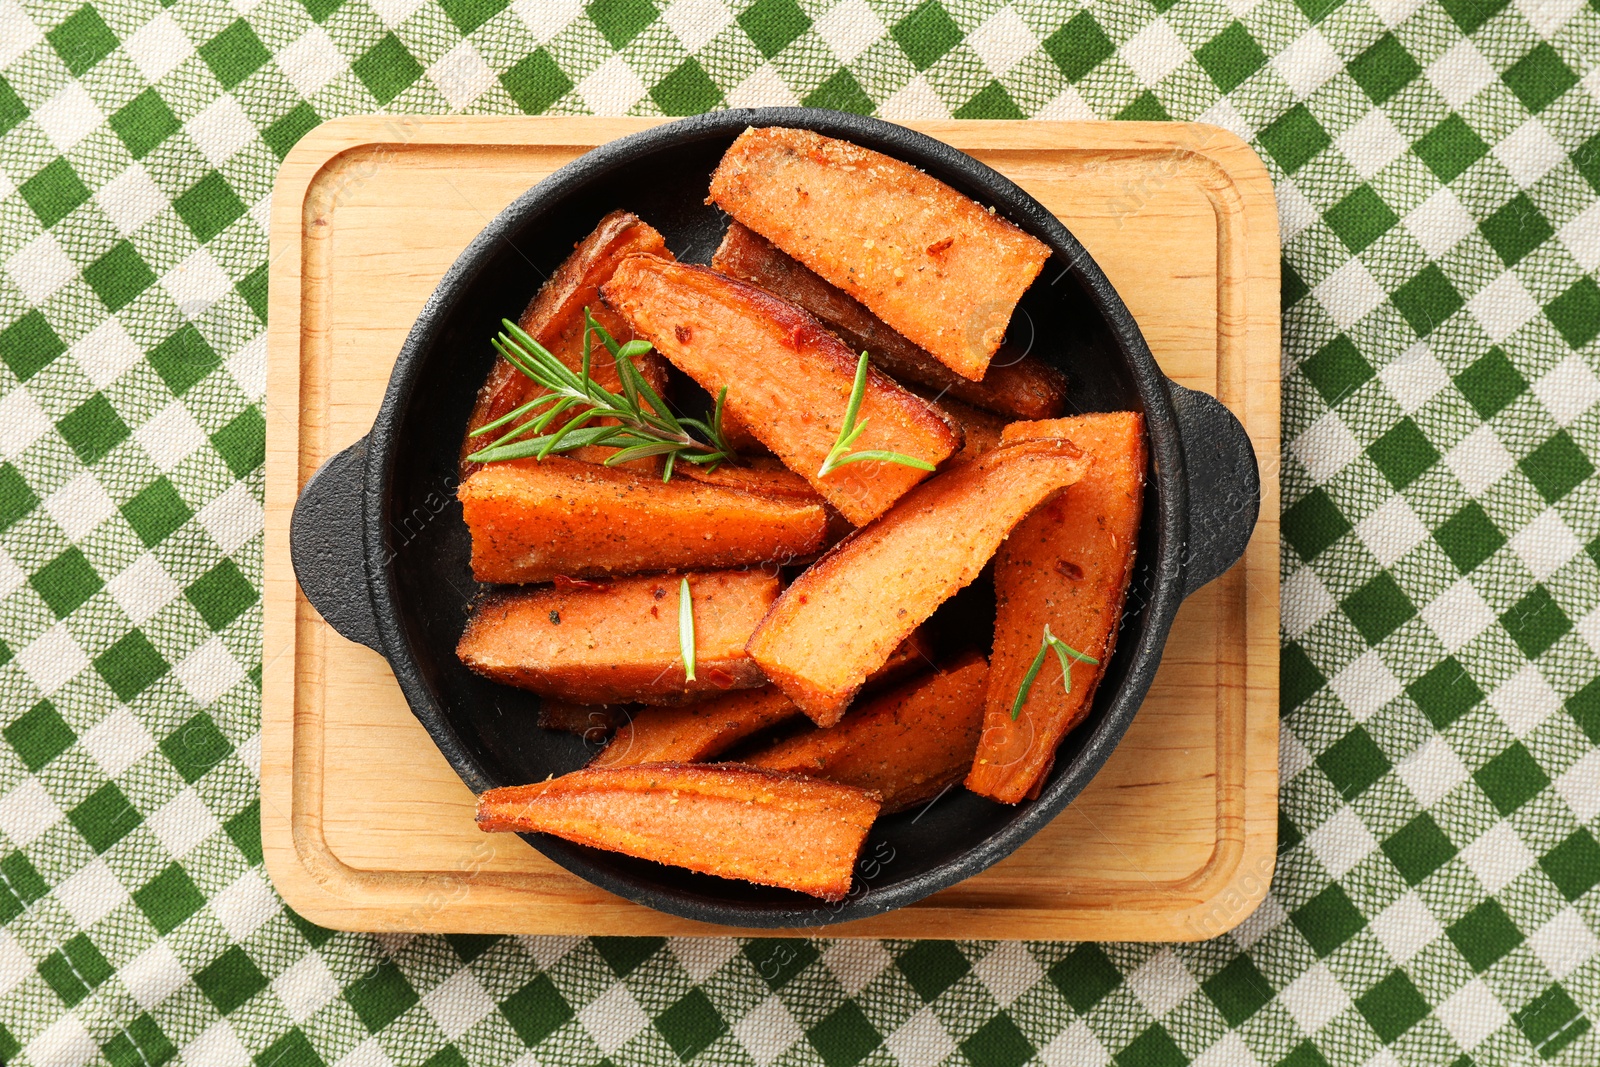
1173	840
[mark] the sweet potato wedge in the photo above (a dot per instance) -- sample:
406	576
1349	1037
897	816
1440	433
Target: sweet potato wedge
592	722
911	656
906	745
759	474
731	821
980	430
554	318
617	642
840	620
1068	565
532	520
697	732
931	263
788	378
1016	385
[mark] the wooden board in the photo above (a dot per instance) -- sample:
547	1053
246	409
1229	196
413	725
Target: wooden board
365	826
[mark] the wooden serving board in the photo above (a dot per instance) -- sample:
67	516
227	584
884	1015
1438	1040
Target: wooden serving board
366	827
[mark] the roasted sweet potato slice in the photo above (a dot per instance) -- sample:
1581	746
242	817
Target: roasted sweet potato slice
697	732
617	642
592	722
534	519
840	620
980	430
906	745
760	474
1016	385
554	318
731	821
931	263
1066	565
788	378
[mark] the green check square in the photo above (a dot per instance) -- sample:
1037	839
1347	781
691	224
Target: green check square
1317	10
82	40
691	1024
931	967
1584	707
1471	14
21	880
1379	608
1393	1006
998	1043
1353	763
245	830
66	582
387	69
230	980
1230	57
1361	218
144	122
1484	935
12	109
688	90
1294	138
119	276
253	288
841	92
1085	976
926	34
93	428
1153	1048
105	817
74	970
183	359
537	1010
1328	920
1384	69
1312	523
468	15
208	207
1511	779
777	960
1516	229
1586	159
773	25
54	192
1147	107
1539	77
1306	1054
29	345
1427	300
1536	622
380	996
1079	46
17	498
449	1056
319	10
1556	467
1403	453
1338	368
142	1044
221	595
624	954
1445	693
1418	849
1450	148
235	53
990	102
536	82
1298	678
156	512
293	1049
1574	864
131	666
1551	1021
39	735
1576	312
1469	537
196	747
1239	990
1491	383
283	135
620	21
845	1037
1294	288
242	443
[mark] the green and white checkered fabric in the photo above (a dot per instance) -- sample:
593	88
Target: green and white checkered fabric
1437	165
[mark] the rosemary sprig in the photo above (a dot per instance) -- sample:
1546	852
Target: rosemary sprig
686	629
840	453
644	426
1064	652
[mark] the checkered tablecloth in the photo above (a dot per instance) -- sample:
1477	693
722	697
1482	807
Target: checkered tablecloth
1437	165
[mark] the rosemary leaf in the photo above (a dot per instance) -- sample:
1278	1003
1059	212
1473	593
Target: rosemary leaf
686	628
1064	652
1027	682
840	453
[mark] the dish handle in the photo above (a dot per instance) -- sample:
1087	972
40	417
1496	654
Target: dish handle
326	542
1224	485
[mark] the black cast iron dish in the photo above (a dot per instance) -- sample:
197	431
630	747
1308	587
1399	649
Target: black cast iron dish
380	549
